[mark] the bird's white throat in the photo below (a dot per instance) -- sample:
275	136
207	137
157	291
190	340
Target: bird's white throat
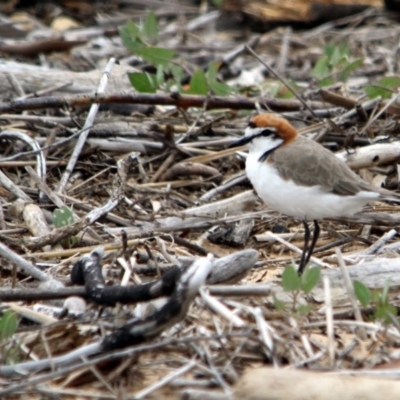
262	144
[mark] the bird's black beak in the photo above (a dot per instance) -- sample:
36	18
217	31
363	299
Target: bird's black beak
240	142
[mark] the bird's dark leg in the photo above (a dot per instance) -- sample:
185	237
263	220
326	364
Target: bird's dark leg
303	259
317	230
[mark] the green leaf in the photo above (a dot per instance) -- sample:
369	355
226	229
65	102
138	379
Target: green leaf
335	53
350	68
385	312
310	278
304	309
177	72
143	82
384	87
344	50
130	36
321	69
160	75
376	296
372	92
390	82
176	80
335	56
326	82
342	63
279	304
150	27
130	44
133	31
291	281
362	293
198	83
328	50
63	216
212	71
156	55
221	89
8	324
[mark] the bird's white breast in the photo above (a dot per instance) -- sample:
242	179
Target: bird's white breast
309	202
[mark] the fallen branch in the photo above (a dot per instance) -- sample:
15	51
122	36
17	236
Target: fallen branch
282	384
175	99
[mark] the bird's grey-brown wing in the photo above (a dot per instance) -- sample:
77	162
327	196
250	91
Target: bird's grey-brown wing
308	164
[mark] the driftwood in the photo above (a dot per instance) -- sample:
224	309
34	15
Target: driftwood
283	384
376	154
269	12
33	79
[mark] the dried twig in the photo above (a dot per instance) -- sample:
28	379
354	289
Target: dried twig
85	131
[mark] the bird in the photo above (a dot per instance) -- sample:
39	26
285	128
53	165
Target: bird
297	176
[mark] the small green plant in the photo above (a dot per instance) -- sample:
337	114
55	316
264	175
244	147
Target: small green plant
335	64
141	39
297	286
62	217
384	87
8	327
377	299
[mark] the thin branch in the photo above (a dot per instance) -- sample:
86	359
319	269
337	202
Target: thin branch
284	81
85	132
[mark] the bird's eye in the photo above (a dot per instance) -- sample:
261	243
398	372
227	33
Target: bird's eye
252	125
268	132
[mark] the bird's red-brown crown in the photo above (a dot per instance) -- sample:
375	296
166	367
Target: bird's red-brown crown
283	127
